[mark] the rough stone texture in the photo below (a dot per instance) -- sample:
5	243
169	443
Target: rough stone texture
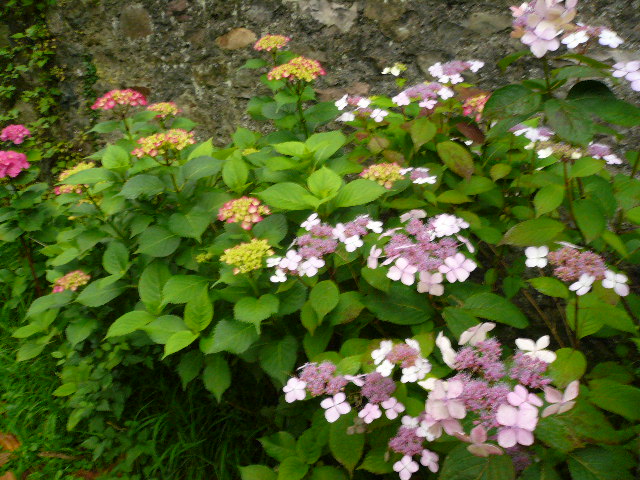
170	48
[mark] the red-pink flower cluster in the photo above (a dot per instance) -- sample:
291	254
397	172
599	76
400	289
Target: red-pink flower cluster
71	281
474	106
271	42
12	163
164	109
299	68
160	143
127	97
247	211
14	133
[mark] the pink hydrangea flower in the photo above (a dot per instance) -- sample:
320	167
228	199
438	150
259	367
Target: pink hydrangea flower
127	97
518	424
405	467
370	412
298	68
392	407
521	397
335	406
403	271
71	281
271	42
560	402
14	133
457	268
479	447
431	283
445	402
475	334
247	211
429	459
294	390
12	163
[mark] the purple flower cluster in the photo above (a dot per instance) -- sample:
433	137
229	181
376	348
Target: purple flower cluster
483	358
428	94
12	163
321	379
377	388
451	72
570	264
529	371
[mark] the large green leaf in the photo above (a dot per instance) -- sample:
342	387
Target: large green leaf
183	288
98	292
456	158
548	199
230	336
569	365
190	225
115	157
216	375
324	297
280	445
255	310
590	218
324	183
288	196
292	468
494	307
142	186
49	302
178	341
257	472
401	306
512	100
198	312
201	167
460	464
153	278
422	130
129	322
536	232
358	192
569	122
601	463
116	258
615	397
345	448
278	358
157	241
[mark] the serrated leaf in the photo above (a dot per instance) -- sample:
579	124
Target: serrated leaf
255	310
569	365
548	199
345	448
153	278
257	472
590	218
129	322
358	192
536	232
189	367
401	306
456	158
570	123
97	293
324	183
422	130
178	341
287	196
216	375
142	186
616	398
460	464
190	225
183	288
279	357
324	297
157	241
494	307
230	336
116	258
292	468
198	312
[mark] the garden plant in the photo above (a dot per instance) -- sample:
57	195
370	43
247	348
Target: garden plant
441	283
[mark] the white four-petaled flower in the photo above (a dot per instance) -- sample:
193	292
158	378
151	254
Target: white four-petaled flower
477	333
335	406
560	402
405	467
370	412
378	115
457	268
536	256
431	283
617	281
311	222
583	285
294	390
392	407
403	271
537	349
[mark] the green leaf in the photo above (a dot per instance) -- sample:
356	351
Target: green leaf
550	286
292	468
422	130
346	449
324	297
293	149
190	225
91	176
230	336
30	350
183	288
499	170
189	367
504	62
375	462
377	278
548	199
164	327
253	63
325	144
152	280
116	258
292	300
256	472
288	196
204	149
158	242
349	307
456	158
309	318
216	375
324	183
129	322
460	464
569	365
358	192
142	185
198	312
115	157
178	341
273	229
590	218
49	302
255	310
278	358
280	445
494	307
601	463
310	444
616	398
633	215
327	473
401	306
569	122
65	390
458	320
586	166
235	173
200	167
97	293
536	232
79	330
594	313
453	196
106	127
512	100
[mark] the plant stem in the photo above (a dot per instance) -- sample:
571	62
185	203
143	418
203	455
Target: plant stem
629	310
575	322
303	121
29	256
104	217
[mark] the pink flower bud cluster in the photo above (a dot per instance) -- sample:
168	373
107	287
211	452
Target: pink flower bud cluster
14	133
406	355
299	68
451	72
629	71
247	211
271	42
60	189
474	106
164	109
427	94
604	152
582	268
426	251
385	174
71	281
12	163
322	240
127	98
161	143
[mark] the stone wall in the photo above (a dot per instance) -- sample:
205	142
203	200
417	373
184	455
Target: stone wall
189	51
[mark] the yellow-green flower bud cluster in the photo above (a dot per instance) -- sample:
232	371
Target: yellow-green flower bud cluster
247	257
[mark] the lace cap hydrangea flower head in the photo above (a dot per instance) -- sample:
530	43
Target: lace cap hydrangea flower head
127	98
451	72
247	257
164	109
62	188
570	264
71	281
159	144
12	163
299	68
247	211
271	42
419	175
385	174
14	133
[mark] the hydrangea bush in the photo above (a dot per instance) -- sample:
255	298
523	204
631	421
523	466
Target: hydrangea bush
357	239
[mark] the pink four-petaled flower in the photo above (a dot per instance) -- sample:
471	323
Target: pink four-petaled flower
335	406
403	271
560	402
457	268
